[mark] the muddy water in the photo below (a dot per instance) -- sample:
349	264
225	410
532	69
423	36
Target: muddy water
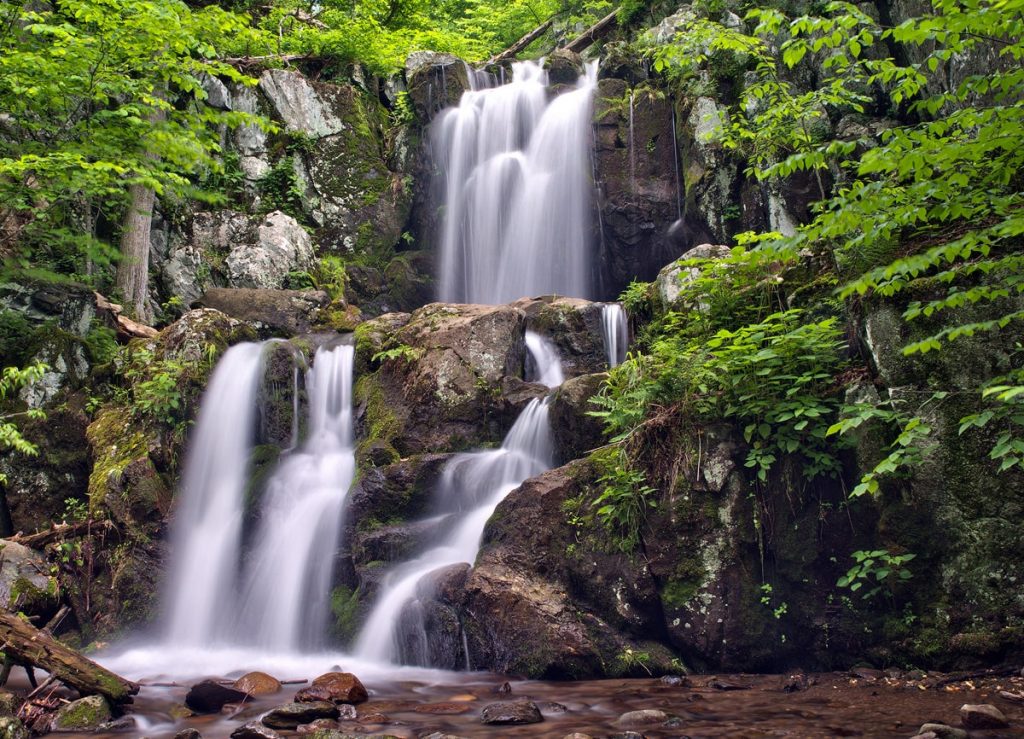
833	704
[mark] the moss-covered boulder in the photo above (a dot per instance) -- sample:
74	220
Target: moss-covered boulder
26	581
84	714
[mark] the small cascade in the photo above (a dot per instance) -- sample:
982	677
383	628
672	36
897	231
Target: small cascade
615	328
471	487
207	531
632	147
544	364
516	189
281	602
284	598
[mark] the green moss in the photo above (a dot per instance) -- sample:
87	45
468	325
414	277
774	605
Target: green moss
686	581
262	463
382	425
338	316
86	713
116	441
345	608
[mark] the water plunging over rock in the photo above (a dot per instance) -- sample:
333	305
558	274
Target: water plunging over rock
471	487
616	333
285	577
516	190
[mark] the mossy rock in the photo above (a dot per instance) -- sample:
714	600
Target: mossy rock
83	714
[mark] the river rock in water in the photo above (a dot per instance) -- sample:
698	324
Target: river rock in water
253	730
291	715
511	712
257	683
942	731
644	717
982	716
336	687
209	697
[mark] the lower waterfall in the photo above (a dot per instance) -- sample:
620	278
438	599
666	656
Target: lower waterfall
471	487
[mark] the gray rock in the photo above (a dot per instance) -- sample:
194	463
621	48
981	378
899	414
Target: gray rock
12	728
282	246
942	731
123	724
982	716
82	715
674	276
435	81
643	717
189	734
270	312
24	573
210	697
250	140
291	715
254	730
512	712
217	93
301	106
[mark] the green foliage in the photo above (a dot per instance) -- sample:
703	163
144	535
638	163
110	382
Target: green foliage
874	568
12	380
101	343
97	99
280	190
15	337
331	276
936	198
155	388
400	353
624	498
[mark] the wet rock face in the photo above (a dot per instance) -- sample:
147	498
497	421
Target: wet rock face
576	432
435	81
25	583
640	194
84	714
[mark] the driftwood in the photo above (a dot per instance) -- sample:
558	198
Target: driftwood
31	646
595	33
521	44
40	539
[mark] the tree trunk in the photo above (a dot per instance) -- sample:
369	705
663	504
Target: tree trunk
31	646
597	31
133	269
521	44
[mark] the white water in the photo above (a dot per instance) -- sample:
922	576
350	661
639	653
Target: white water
516	190
547	367
284	599
471	487
616	333
207	529
285	570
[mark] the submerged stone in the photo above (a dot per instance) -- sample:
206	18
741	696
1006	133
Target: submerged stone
942	731
291	715
511	712
210	697
336	687
982	716
257	683
644	717
254	730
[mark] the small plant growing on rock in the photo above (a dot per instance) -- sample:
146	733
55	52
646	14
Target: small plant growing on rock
875	568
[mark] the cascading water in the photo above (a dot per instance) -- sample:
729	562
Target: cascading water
286	568
516	190
283	601
207	532
471	487
616	333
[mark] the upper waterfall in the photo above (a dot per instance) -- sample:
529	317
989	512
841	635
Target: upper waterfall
516	189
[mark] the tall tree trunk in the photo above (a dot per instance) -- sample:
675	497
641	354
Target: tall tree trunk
133	269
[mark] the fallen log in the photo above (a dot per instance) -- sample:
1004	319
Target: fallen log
510	52
31	646
58	531
595	33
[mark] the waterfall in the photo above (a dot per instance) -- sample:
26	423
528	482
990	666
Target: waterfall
285	570
471	487
516	190
616	333
286	583
207	532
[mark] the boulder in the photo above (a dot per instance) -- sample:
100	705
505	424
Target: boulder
575	328
255	730
674	276
210	697
257	683
982	716
25	581
281	246
575	431
291	715
304	108
440	389
643	717
942	731
435	81
12	728
563	67
336	687
511	713
84	714
269	312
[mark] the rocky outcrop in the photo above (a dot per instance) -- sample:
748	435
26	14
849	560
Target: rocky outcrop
282	313
576	432
435	81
